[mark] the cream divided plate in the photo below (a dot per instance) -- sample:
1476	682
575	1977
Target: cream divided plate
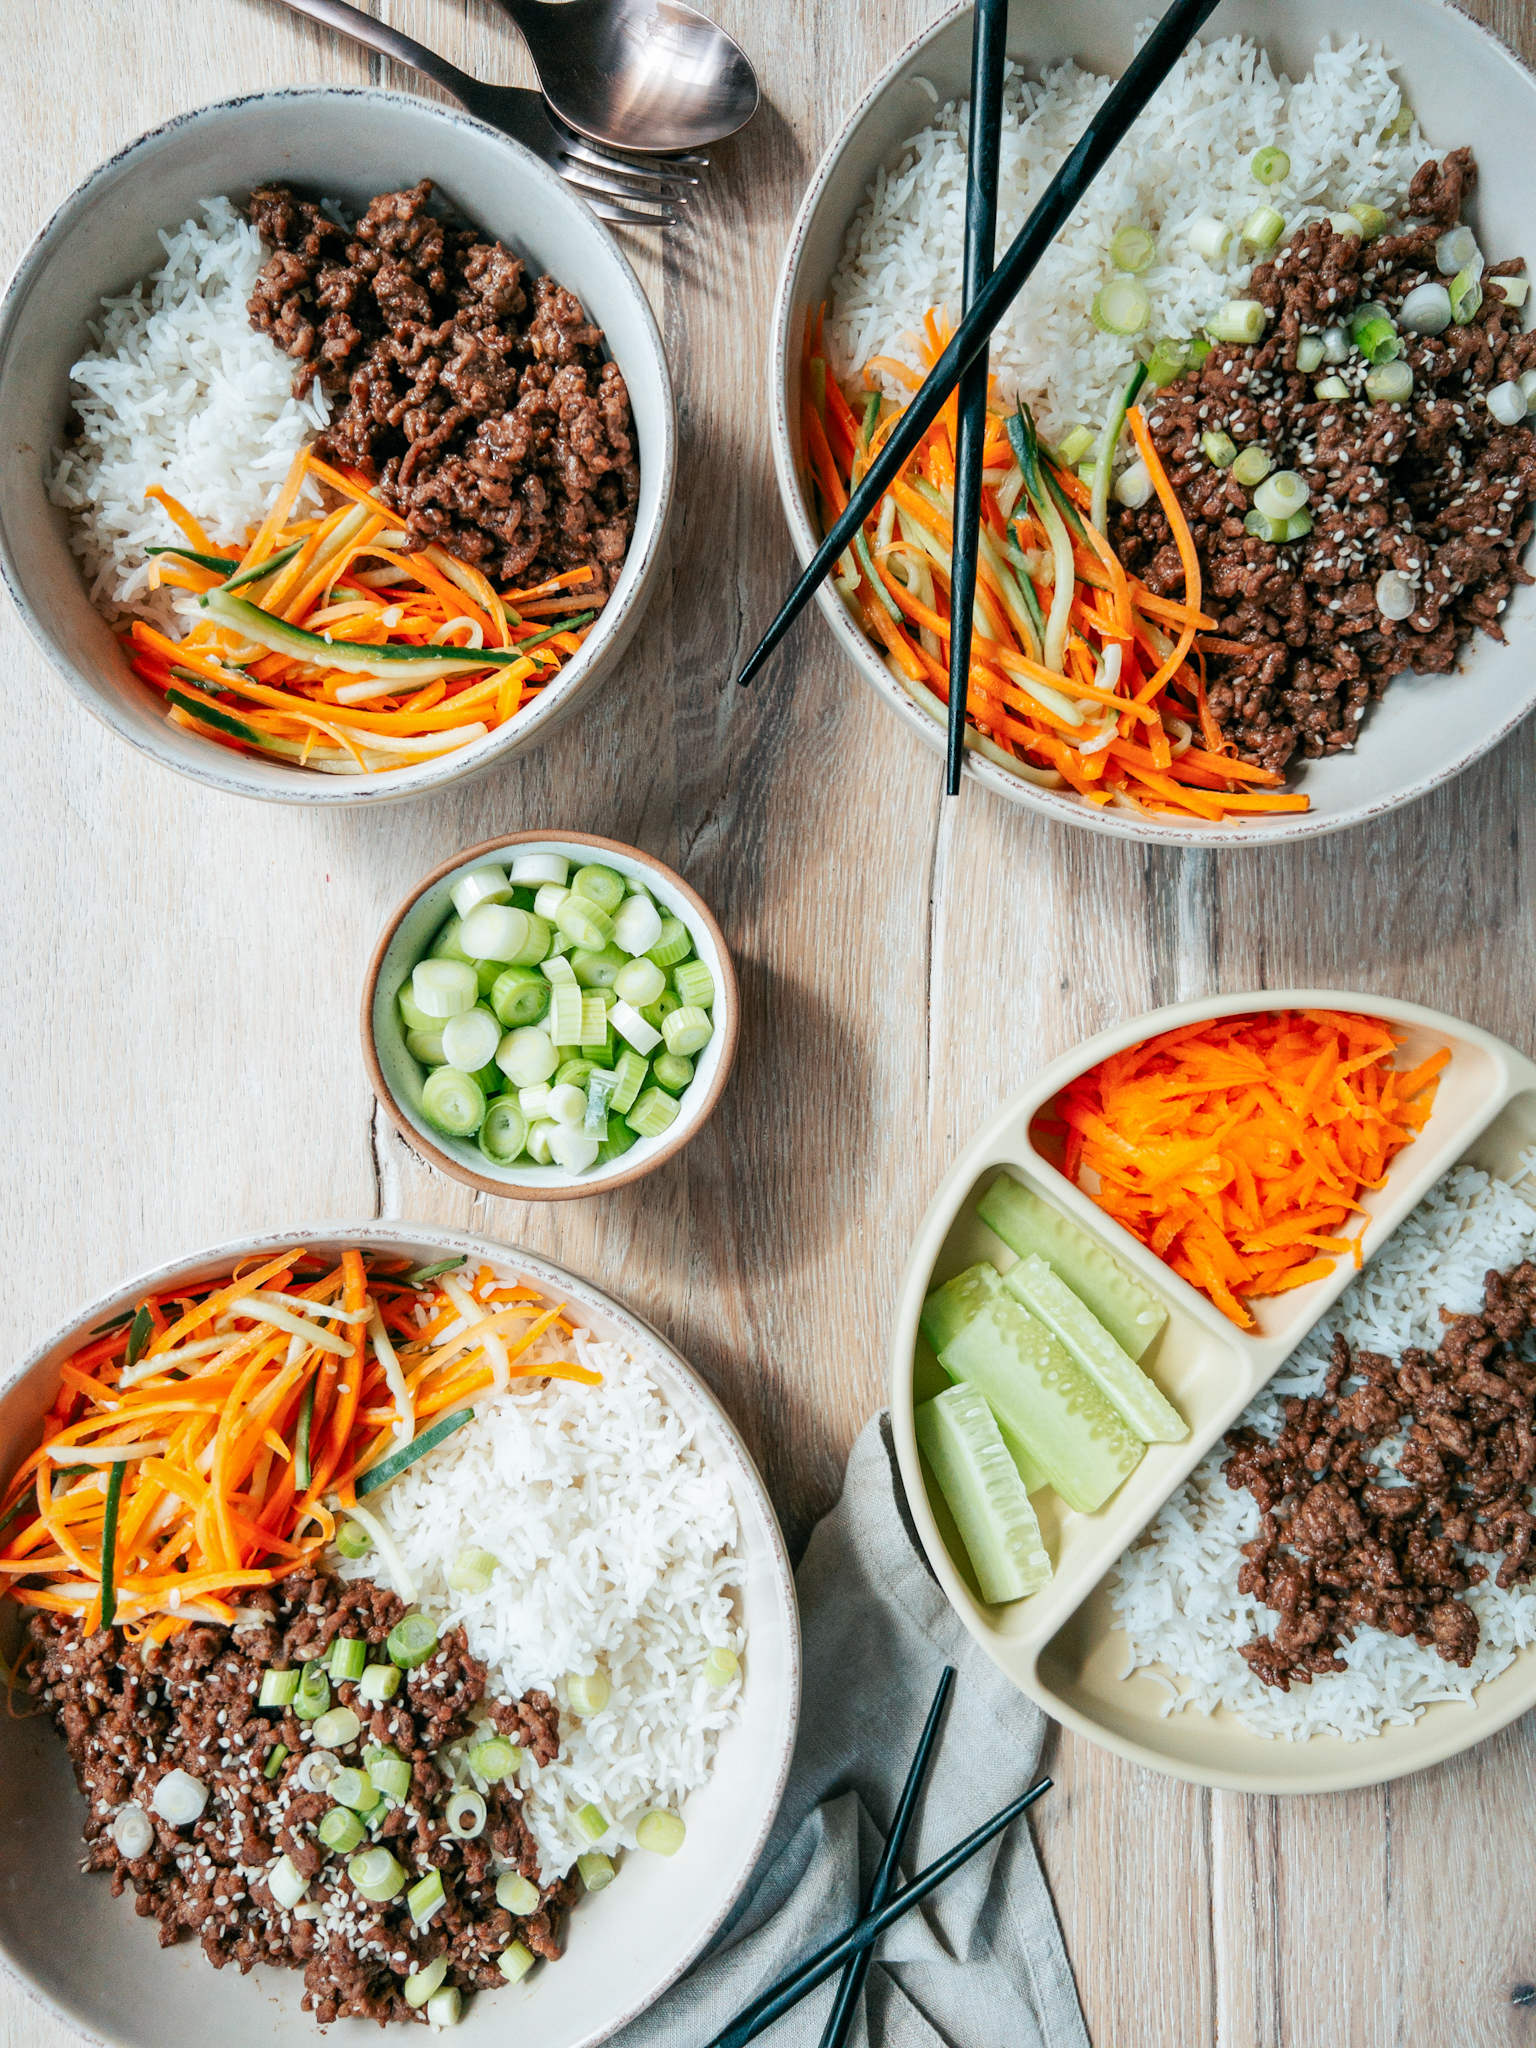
85	1957
1062	1646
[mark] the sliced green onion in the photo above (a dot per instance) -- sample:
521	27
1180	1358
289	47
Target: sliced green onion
1169	359
653	1113
278	1688
1282	494
1373	222
336	1728
637	925
421	1984
1456	250
1122	307
635	1028
313	1697
673	945
720	1666
411	1641
514	1894
379	1683
1466	297
596	1870
481	885
392	1466
504	1132
593	1028
425	1896
515	1961
694	983
1506	403
472	1571
287	1883
687	1029
1133	486
1271	165
423	1274
661	1832
599	969
1200	348
641	981
391	1775
275	1761
1391	384
1252	466
442	988
495	1758
1239	320
427	1047
1309	354
445	2008
1220	450
584	922
353	1540
1262	229
549	899
1399	125
1259	526
600	885
355	1789
340	1830
464	1811
539	1134
527	1057
629	1078
1426	310
376	1875
1132	249
565	1011
588	1693
1210	238
593	1822
1074	444
572	1148
618	1141
1330	389
1378	340
500	931
446	945
672	1072
453	1102
1298	526
519	995
349	1657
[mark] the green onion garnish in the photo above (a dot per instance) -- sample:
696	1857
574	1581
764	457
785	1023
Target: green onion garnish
274	1762
1270	166
411	1641
429	1439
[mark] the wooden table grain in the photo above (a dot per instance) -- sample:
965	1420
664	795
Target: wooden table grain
184	970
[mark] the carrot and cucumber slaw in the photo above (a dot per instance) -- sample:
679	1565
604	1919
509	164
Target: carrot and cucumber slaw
1080	677
1237	1149
206	1441
331	643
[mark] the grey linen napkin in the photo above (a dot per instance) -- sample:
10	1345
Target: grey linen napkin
980	1963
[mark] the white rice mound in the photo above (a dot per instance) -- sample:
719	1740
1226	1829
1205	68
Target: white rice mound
180	391
1189	155
616	1541
1176	1593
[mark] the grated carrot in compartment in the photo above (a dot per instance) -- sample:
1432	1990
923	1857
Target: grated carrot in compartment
1237	1149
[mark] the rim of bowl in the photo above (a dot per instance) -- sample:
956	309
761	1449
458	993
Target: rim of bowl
1047	804
444	1236
676	1138
618	621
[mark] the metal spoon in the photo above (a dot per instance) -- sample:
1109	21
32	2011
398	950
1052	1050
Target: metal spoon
651	76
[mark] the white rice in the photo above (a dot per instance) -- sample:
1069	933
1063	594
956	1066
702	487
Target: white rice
1189	155
616	1540
180	391
1176	1593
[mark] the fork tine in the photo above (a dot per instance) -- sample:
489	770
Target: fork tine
655	172
607	207
586	181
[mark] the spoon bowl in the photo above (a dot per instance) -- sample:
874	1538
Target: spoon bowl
650	76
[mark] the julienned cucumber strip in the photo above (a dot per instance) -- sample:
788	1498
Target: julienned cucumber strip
945	1314
950	1307
410	664
219	720
1034	1389
1051	1301
429	1439
1131	1314
960	1440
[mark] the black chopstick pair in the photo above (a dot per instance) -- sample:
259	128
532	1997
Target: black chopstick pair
968	345
851	1950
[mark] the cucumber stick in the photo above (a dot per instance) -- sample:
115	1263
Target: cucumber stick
960	1440
1131	1314
945	1314
1035	1390
1051	1301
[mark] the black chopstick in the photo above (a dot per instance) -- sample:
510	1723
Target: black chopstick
989	35
777	2000
856	1969
1143	75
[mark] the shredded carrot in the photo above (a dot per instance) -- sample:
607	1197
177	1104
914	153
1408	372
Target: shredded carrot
1236	1149
209	1501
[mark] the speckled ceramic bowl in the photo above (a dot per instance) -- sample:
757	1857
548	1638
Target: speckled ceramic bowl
348	145
397	1077
1466	88
88	1962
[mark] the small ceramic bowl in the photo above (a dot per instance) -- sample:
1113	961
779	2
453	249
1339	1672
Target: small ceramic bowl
85	1959
1467	88
347	145
397	1077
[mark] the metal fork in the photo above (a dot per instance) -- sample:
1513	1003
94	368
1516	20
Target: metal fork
617	188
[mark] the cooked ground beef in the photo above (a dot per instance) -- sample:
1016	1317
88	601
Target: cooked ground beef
132	1713
1434	488
1349	1543
480	403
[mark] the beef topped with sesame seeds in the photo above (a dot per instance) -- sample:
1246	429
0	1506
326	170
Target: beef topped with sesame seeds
1431	492
134	1714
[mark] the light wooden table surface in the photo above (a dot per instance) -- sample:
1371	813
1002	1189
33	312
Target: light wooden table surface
184	1062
